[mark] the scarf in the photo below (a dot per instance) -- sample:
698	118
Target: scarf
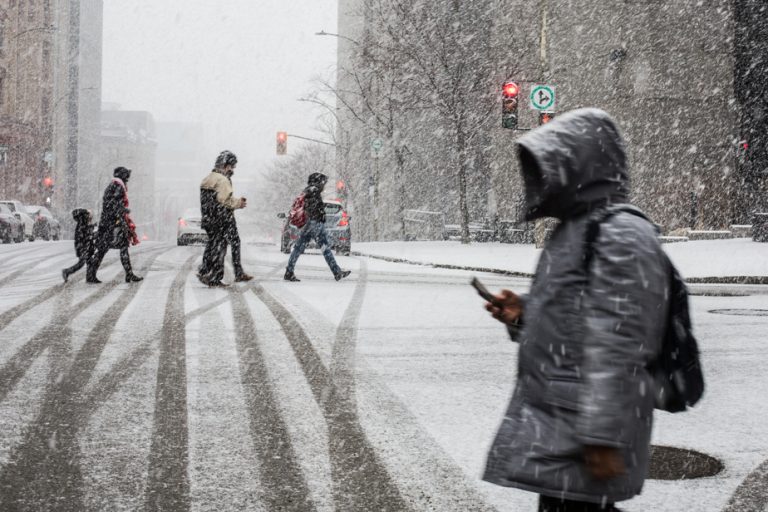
134	238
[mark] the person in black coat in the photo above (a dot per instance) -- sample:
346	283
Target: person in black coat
84	241
217	205
314	229
114	228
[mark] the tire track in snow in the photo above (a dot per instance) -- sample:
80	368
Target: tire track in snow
280	472
443	472
125	368
10	315
15	254
44	471
360	479
18	364
752	493
168	482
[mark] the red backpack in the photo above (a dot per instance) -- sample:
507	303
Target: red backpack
297	215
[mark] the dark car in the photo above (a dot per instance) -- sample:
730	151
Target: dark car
46	226
11	228
189	231
336	225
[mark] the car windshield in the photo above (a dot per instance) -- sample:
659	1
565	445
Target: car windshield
332	208
4	208
32	210
9	205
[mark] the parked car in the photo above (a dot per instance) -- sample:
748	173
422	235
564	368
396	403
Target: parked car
46	226
29	225
188	230
11	229
336	225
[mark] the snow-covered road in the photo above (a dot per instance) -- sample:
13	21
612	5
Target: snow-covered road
380	392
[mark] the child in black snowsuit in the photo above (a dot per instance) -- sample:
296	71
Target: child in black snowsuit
84	241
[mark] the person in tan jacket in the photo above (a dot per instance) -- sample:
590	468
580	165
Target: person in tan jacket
217	204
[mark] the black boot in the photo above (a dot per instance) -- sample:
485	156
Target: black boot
290	276
65	275
342	274
132	278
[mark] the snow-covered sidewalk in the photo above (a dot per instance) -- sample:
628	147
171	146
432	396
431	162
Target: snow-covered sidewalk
713	260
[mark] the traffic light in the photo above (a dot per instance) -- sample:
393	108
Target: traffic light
282	143
510	92
47	183
545	117
341	191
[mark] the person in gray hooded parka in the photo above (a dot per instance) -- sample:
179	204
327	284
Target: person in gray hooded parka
578	428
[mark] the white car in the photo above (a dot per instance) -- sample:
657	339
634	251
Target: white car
26	220
189	230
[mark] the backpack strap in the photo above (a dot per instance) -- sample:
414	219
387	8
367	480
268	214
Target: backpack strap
599	217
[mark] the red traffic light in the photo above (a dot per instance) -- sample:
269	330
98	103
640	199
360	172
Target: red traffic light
48	182
340	185
510	89
282	143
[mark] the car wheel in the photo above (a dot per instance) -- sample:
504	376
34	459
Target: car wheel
285	247
179	242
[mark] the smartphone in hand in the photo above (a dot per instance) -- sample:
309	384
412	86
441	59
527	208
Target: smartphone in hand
482	290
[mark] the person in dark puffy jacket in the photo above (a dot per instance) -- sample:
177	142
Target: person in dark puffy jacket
314	229
116	229
84	240
577	430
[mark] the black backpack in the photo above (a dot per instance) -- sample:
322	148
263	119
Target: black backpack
679	382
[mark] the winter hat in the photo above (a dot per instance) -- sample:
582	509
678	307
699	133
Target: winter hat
225	158
317	178
122	173
80	214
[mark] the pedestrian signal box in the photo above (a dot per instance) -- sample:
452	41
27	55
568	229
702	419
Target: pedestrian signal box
545	117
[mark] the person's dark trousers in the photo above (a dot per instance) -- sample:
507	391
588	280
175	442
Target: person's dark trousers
77	266
212	267
548	504
314	230
233	239
102	246
101	250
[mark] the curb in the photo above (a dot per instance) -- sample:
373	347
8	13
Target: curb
746	280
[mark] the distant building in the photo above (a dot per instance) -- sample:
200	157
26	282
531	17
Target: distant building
128	139
686	82
76	109
27	39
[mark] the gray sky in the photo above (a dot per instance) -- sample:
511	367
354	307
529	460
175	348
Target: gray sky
236	67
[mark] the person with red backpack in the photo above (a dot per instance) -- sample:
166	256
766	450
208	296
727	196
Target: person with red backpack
308	213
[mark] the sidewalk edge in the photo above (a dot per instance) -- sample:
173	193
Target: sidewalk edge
751	280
